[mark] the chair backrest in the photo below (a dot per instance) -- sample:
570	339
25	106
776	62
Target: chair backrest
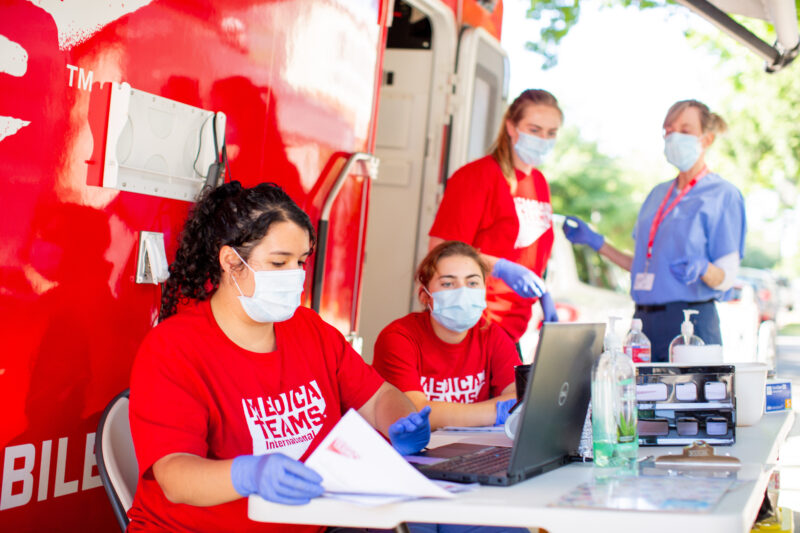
116	460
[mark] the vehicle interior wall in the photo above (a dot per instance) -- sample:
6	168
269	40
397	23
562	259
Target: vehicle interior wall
401	144
296	81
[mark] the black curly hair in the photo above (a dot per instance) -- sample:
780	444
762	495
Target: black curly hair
226	215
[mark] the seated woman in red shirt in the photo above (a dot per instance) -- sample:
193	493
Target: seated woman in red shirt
448	357
232	392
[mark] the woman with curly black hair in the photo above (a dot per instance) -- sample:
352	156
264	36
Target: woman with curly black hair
230	392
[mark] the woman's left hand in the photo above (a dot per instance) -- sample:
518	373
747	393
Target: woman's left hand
689	269
548	308
411	433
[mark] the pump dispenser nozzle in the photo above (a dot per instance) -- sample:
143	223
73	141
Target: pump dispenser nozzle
611	341
687	328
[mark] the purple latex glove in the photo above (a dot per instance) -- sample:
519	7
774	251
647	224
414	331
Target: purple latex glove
577	231
548	308
275	477
521	280
411	433
689	269
503	408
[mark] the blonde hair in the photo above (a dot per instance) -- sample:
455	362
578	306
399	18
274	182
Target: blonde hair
709	122
501	149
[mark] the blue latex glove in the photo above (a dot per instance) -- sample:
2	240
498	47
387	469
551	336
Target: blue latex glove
689	269
411	433
520	279
503	408
579	232
548	308
275	477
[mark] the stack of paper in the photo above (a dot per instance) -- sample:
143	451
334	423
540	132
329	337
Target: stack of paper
356	463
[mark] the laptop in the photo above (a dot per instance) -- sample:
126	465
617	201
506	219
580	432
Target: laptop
553	412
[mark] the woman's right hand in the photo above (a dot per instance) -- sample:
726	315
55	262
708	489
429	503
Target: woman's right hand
275	477
521	280
579	232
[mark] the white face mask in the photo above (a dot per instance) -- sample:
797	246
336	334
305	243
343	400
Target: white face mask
276	295
531	149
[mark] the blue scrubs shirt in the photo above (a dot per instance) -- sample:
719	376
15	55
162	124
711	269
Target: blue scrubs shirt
708	222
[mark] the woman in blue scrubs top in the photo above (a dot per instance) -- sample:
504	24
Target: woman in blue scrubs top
689	235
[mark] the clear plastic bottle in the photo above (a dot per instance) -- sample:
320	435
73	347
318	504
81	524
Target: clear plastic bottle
637	345
615	440
687	336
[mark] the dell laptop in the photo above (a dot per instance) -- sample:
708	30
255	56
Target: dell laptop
553	412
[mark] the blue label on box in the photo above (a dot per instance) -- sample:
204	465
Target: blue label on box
779	396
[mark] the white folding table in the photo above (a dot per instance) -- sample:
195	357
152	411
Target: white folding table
528	504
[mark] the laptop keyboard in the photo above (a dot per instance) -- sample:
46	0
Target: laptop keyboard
488	461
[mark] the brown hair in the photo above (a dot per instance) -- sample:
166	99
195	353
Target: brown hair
427	268
501	149
710	122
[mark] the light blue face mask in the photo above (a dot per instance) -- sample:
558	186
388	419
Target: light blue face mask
458	309
682	150
531	149
276	295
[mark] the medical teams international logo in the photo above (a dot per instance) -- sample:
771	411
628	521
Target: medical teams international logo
287	422
534	219
464	389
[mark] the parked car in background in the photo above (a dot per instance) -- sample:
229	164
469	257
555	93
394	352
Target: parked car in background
785	293
767	290
745	338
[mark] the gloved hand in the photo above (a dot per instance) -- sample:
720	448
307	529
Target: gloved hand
520	279
548	308
579	232
275	477
503	409
411	433
689	269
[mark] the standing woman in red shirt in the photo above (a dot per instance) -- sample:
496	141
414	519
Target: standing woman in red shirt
233	391
500	204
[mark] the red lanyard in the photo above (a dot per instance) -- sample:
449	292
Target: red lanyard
661	214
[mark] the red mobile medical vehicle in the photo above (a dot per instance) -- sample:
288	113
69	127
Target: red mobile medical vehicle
113	116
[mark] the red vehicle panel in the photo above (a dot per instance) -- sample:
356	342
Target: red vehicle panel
298	82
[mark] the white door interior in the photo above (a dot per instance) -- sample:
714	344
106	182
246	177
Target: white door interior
393	223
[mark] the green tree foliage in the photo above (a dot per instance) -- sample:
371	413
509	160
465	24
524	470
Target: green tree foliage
592	186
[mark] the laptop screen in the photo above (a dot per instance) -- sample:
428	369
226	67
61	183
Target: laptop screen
557	396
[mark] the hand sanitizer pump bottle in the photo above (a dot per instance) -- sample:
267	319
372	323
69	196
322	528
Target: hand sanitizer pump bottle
615	442
687	336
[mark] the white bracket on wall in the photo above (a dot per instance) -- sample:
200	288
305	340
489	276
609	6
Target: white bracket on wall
158	146
151	264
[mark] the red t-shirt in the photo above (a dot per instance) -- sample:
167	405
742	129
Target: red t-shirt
410	356
194	391
479	209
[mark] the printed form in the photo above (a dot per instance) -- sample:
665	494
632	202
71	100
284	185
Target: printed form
356	463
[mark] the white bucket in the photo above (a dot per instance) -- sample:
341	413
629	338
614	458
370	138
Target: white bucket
750	381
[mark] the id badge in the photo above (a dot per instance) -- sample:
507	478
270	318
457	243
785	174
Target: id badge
644	281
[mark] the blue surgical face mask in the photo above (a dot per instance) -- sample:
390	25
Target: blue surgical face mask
682	150
531	149
276	295
458	309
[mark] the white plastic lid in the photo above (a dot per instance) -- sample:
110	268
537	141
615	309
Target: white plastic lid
636	324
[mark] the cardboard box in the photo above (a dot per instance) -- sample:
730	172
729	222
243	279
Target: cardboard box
779	395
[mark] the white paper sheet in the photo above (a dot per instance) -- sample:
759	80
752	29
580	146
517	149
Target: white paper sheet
355	459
